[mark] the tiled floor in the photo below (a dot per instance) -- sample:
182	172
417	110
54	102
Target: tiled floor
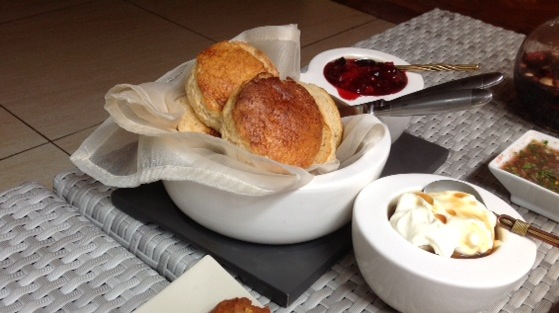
59	57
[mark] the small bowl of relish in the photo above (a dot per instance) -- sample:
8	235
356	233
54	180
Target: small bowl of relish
529	169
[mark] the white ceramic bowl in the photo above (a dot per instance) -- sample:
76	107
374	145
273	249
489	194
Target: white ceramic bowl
413	280
314	74
524	192
317	209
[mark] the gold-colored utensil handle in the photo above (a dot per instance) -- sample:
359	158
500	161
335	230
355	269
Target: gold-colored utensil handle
526	229
439	67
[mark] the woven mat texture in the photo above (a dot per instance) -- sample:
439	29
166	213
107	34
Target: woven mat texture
53	259
473	138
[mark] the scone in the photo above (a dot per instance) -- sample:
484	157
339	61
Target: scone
238	305
333	127
218	73
191	123
278	119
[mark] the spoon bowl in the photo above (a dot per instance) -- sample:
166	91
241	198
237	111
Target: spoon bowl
508	222
454	185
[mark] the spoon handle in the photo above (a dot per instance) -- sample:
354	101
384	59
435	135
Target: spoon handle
439	67
526	229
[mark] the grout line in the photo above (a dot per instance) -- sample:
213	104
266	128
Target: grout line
169	20
45	13
25	123
342	32
49	141
28	149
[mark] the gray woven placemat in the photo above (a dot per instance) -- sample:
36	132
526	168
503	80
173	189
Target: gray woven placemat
159	249
52	259
473	137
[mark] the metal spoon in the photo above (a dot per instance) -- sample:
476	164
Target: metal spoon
433	67
438	67
506	221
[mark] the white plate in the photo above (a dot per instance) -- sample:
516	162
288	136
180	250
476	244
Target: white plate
198	290
314	73
524	192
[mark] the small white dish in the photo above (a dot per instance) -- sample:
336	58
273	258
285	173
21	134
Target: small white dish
524	192
198	290
412	280
314	75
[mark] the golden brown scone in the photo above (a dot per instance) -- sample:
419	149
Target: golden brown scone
218	73
333	127
238	305
191	123
275	118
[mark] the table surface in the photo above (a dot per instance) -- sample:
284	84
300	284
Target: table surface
473	138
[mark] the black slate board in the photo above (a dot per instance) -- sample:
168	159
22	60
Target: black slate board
410	154
280	272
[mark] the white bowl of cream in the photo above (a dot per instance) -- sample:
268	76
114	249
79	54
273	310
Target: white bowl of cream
411	279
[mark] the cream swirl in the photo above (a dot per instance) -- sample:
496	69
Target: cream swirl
448	222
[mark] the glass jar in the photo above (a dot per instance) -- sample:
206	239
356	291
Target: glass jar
536	74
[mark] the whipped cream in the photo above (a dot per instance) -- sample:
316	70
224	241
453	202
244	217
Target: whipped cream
448	222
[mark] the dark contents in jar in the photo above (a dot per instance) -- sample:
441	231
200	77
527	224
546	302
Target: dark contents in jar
537	163
537	82
364	77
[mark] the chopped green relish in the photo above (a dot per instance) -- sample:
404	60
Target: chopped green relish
537	163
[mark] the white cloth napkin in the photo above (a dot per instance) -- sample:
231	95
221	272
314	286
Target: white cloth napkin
139	143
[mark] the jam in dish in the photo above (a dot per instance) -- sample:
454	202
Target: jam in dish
364	77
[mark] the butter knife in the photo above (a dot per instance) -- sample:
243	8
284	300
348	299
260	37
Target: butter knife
460	94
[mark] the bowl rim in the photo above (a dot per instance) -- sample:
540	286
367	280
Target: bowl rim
509	152
314	73
381	237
